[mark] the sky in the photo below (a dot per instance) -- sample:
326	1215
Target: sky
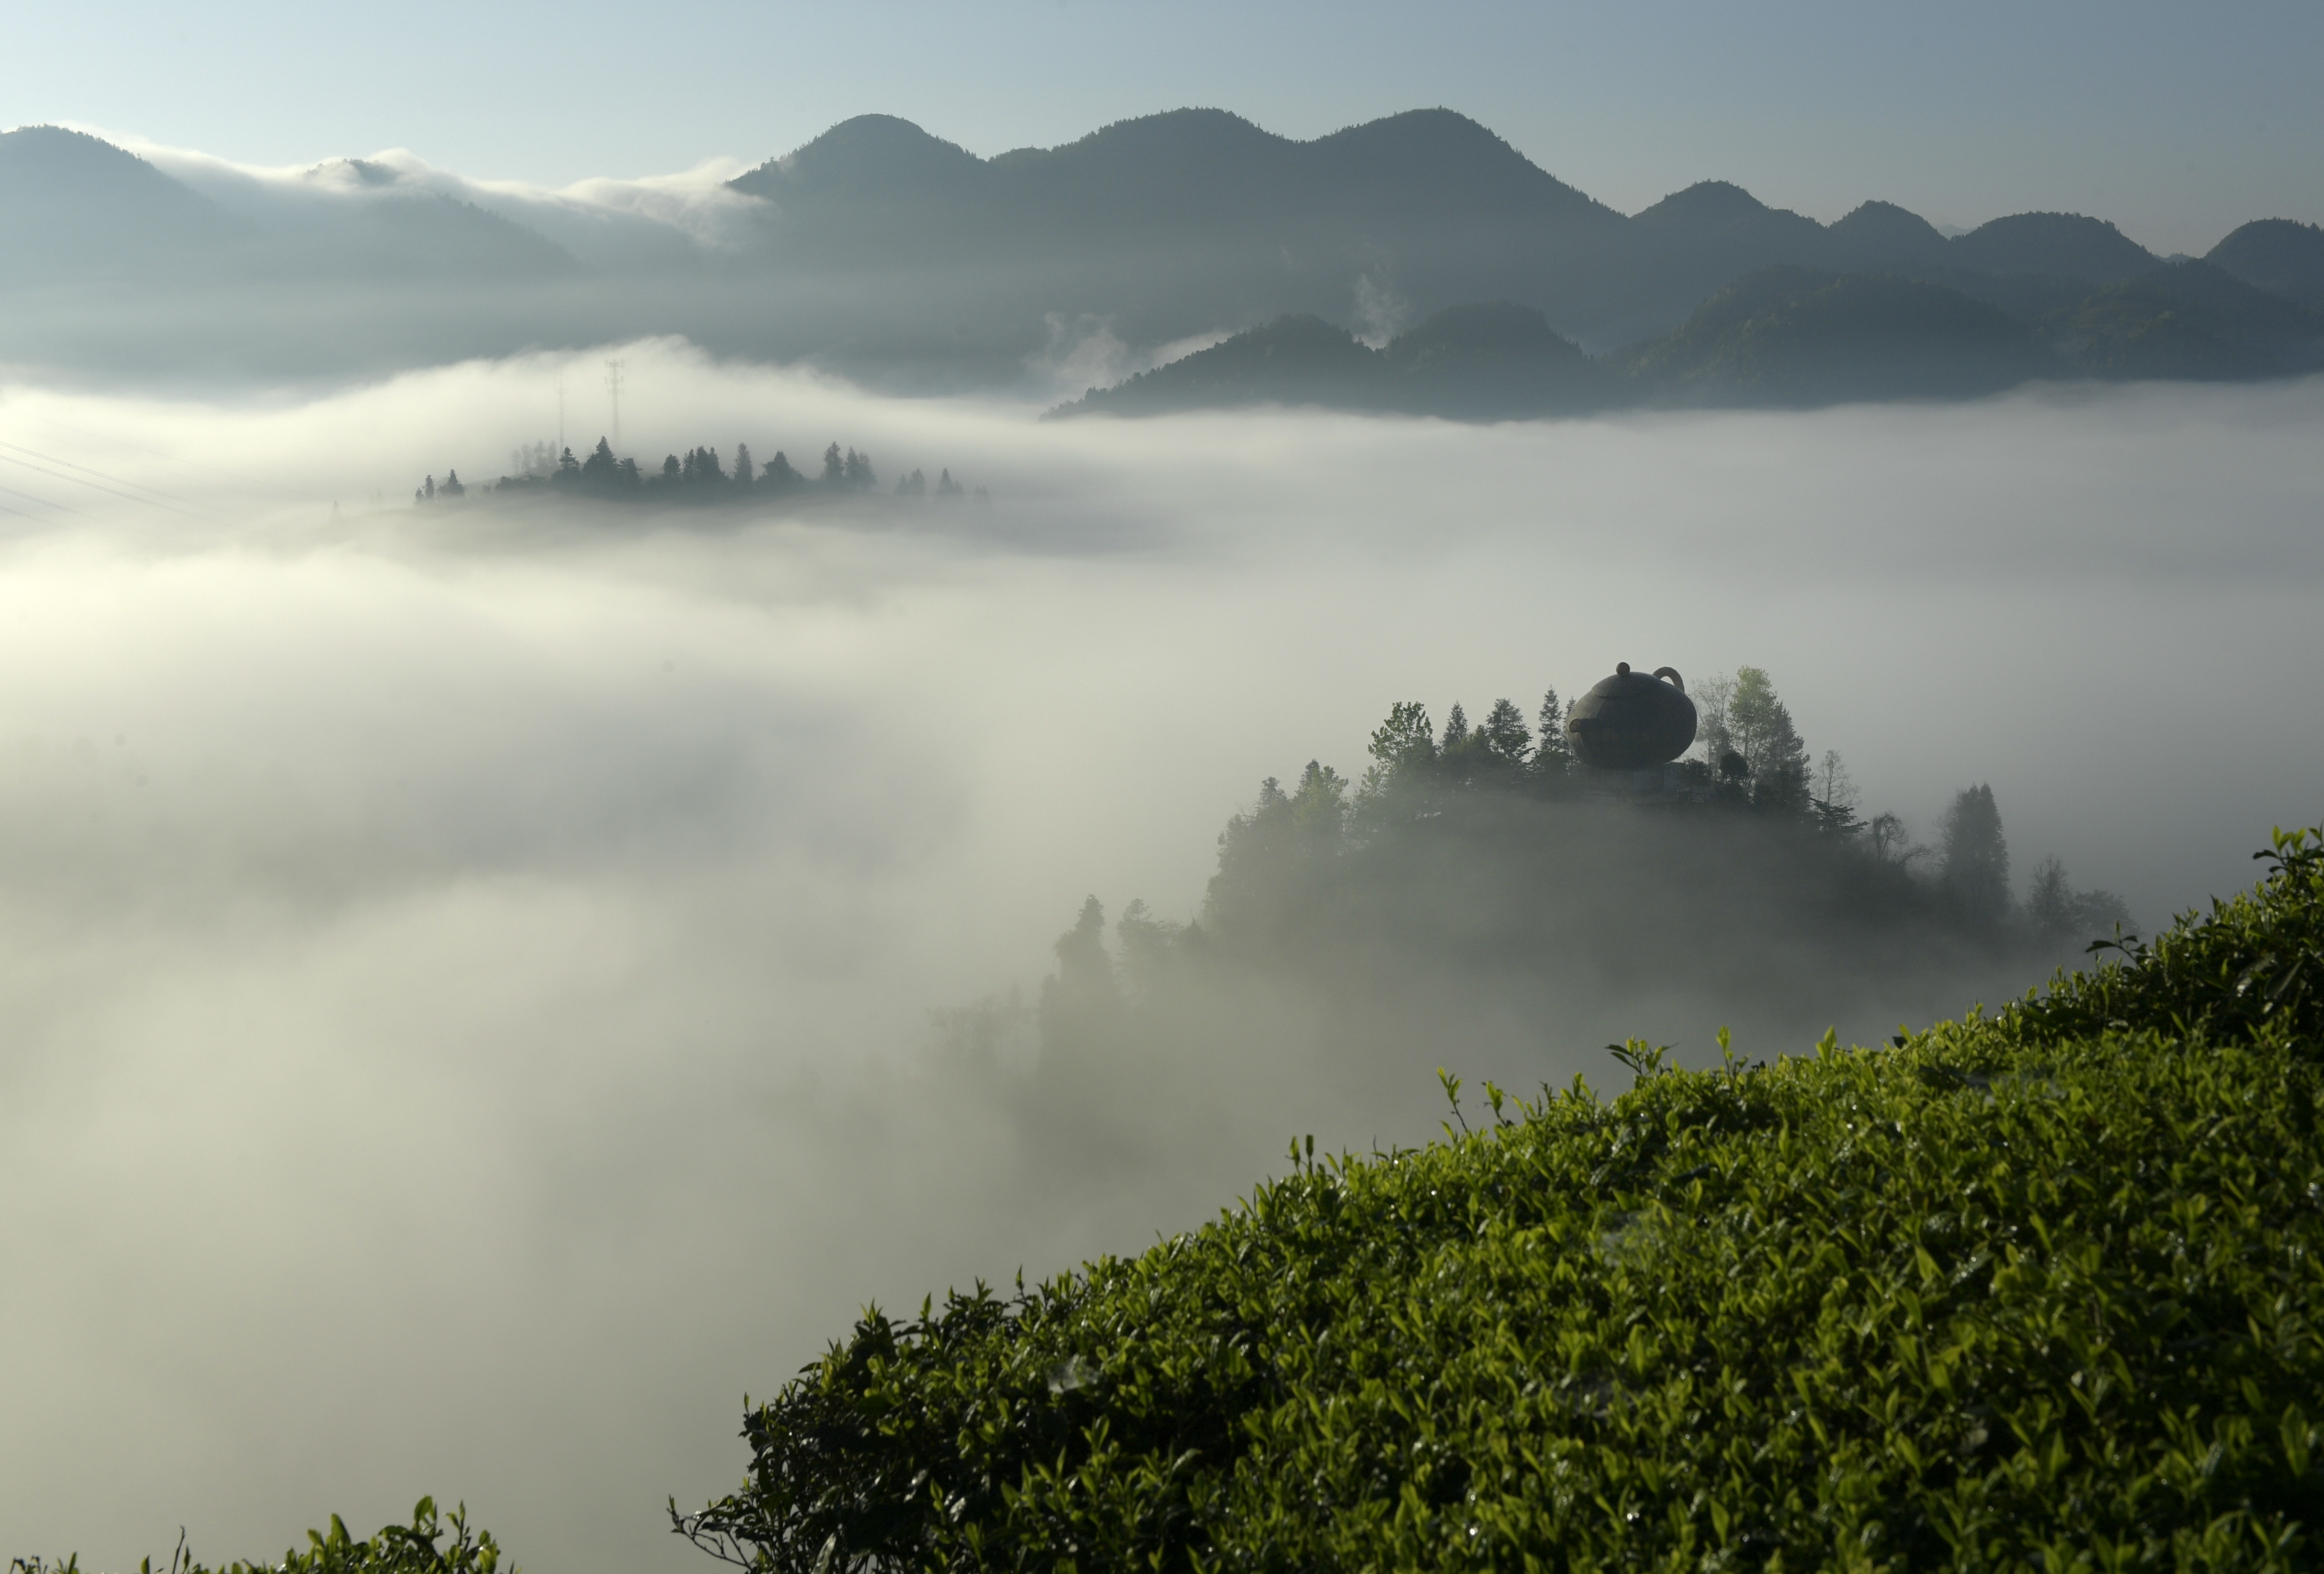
2177	122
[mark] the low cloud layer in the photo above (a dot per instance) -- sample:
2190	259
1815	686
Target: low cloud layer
467	976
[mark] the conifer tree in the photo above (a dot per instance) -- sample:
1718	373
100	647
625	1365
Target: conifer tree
1551	744
1456	732
1976	868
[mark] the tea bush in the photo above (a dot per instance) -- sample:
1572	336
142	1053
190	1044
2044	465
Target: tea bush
2030	1291
396	1550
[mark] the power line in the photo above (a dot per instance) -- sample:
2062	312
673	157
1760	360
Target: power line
156	500
114	440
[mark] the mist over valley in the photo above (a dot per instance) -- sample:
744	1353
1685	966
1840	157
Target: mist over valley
555	962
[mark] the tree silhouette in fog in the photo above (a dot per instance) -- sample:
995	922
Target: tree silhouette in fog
1976	868
1483	851
698	476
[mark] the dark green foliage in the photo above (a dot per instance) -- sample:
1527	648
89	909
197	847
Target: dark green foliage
2034	1291
397	1549
2249	971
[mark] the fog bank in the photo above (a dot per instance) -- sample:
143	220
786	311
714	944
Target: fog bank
464	1012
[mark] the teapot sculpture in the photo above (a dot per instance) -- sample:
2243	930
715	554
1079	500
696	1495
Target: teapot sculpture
1630	721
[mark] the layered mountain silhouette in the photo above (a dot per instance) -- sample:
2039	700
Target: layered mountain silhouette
886	253
1783	335
1483	361
1793	336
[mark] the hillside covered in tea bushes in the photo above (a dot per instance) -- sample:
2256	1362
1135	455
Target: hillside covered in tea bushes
2022	1291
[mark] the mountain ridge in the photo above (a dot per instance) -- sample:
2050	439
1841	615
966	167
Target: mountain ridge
882	251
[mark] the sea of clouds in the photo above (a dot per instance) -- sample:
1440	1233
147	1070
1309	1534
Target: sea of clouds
465	971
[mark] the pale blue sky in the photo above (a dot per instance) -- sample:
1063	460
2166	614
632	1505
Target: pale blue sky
2176	121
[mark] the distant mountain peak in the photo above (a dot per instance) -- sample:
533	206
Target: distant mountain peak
2278	255
2068	244
54	152
883	150
1201	121
76	207
1705	205
1881	232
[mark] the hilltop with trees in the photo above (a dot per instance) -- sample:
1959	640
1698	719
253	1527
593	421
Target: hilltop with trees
1483	852
699	478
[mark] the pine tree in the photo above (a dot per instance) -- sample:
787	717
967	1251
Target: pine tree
2049	899
1403	757
1975	873
742	467
1078	1001
834	468
1504	737
1552	726
1456	732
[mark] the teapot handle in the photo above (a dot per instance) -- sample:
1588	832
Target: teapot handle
1672	673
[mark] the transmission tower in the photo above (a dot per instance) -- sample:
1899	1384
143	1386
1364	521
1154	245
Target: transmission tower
613	393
